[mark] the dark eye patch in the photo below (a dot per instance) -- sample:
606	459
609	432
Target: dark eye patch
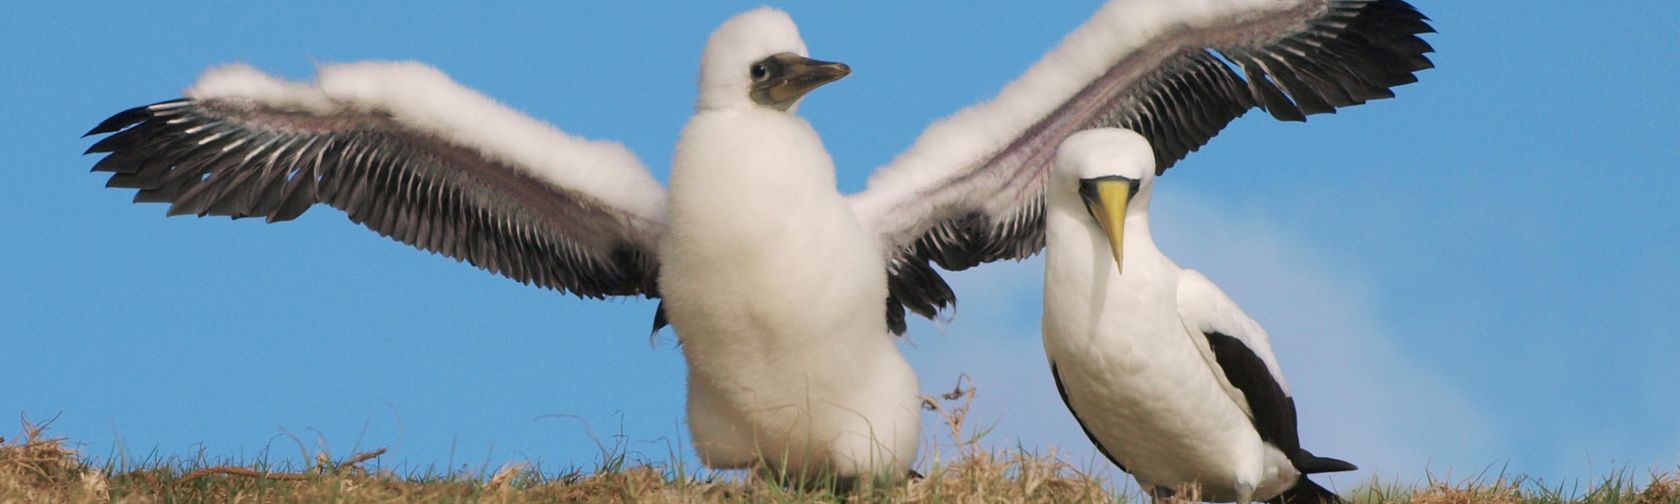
765	69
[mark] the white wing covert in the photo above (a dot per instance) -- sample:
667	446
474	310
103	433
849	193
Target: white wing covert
408	153
1205	309
1241	352
970	189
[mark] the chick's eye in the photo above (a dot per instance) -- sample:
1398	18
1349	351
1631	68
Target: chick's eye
760	72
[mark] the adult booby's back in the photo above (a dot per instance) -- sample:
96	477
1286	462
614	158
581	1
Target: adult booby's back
1167	376
412	155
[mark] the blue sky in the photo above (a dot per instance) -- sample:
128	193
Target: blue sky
1480	273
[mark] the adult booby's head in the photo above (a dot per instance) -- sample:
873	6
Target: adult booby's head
1109	172
756	59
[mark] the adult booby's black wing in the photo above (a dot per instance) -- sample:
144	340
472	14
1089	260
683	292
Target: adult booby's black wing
1240	351
408	153
970	190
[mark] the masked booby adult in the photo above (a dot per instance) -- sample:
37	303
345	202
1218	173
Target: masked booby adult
1166	375
408	153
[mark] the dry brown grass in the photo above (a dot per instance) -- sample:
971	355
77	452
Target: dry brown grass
38	468
35	467
1621	488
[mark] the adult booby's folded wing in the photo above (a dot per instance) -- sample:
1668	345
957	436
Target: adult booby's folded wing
970	190
1238	349
407	152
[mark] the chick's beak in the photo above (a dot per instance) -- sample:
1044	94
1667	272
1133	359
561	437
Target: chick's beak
793	76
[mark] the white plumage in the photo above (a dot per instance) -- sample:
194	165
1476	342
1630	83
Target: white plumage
1164	372
782	291
422	98
774	288
1119	31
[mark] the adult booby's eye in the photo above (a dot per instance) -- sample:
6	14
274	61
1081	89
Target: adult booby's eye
760	72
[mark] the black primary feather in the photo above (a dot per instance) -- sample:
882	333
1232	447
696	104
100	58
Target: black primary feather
240	159
1295	63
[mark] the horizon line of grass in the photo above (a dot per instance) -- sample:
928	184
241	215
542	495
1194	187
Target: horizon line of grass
37	467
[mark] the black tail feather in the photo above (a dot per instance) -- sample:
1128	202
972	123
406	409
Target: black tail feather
1308	463
1306	492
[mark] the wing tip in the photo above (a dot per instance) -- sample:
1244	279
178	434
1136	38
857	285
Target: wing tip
126	118
1377	49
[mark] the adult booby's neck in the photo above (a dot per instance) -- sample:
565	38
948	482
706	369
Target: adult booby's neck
1073	238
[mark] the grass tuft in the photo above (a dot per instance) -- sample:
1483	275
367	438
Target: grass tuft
1619	488
38	468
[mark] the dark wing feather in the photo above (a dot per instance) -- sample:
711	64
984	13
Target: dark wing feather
1240	351
1349	53
1306	491
1273	409
1179	89
240	159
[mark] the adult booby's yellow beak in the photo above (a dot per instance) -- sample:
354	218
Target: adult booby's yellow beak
782	79
1106	198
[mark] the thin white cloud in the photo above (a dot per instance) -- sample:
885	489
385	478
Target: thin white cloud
1360	397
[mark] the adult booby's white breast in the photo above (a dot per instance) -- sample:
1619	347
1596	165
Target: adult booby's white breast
410	154
1167	376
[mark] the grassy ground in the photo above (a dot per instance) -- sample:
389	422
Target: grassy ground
38	468
35	467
